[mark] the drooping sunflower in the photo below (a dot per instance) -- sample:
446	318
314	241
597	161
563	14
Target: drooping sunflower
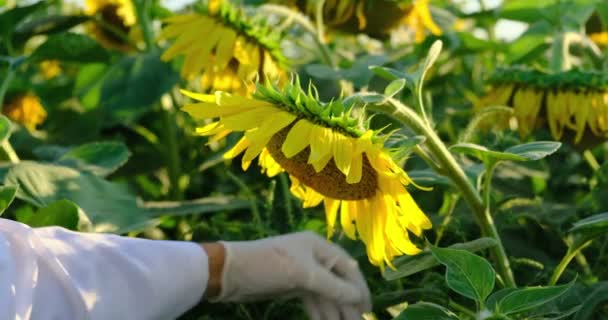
330	157
228	50
25	109
375	18
114	24
572	103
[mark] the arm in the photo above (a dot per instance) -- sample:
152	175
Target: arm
105	276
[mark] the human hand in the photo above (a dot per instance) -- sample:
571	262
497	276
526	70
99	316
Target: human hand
300	265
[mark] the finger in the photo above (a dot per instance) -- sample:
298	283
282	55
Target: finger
346	267
326	284
329	310
350	312
312	307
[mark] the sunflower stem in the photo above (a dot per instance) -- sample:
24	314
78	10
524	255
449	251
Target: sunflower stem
452	170
305	23
142	7
563	264
487	185
169	130
10	74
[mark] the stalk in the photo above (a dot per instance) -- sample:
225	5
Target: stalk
454	172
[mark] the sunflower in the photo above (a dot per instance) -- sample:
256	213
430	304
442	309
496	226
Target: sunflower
25	109
115	24
329	157
573	103
50	68
375	18
228	50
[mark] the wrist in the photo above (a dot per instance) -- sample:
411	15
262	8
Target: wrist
216	254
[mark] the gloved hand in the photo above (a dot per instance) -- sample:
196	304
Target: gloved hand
303	265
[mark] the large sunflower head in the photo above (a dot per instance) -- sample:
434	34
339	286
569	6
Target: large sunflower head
114	22
573	103
375	18
329	155
25	109
226	48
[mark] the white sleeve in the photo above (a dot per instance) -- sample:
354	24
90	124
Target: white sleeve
52	273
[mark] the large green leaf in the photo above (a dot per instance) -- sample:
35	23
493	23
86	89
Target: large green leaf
7	194
593	225
575	11
598	296
47	25
408	265
470	275
512	301
10	19
426	311
5	128
531	43
71	47
98	158
524	152
62	213
110	207
134	86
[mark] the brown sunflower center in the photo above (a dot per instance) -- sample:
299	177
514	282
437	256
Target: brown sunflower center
330	182
109	14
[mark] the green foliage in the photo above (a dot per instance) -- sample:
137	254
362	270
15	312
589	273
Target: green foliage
115	154
467	274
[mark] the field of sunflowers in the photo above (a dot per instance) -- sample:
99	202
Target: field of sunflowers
456	148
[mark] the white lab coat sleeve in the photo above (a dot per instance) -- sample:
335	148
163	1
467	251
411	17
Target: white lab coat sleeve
52	273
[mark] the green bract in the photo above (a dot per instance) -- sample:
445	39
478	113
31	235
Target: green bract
573	79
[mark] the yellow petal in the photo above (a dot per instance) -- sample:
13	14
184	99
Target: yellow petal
238	148
297	139
331	214
348	216
321	141
343	150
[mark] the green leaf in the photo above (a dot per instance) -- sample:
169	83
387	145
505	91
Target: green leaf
110	207
7	194
322	71
524	299
468	274
10	19
62	213
591	227
88	84
426	311
98	158
134	86
598	296
47	25
408	265
5	128
573	12
524	152
431	58
392	74
198	206
535	150
71	47
531	43
394	87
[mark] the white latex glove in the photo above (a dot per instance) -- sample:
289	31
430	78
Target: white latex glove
300	265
